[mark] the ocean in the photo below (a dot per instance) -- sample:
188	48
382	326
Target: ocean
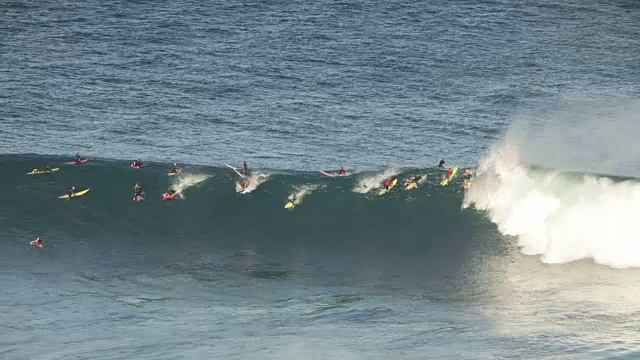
537	259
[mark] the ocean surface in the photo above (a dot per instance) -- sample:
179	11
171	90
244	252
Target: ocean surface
537	259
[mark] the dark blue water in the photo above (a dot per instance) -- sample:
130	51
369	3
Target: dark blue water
384	88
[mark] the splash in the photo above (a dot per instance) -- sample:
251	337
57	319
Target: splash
370	182
558	215
422	181
254	181
299	192
186	180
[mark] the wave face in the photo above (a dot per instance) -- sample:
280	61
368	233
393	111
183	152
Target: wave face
562	216
209	205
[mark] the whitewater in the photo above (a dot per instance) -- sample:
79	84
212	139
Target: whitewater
561	214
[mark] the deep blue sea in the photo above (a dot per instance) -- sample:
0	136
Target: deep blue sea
535	257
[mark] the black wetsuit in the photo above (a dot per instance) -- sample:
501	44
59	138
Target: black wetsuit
441	164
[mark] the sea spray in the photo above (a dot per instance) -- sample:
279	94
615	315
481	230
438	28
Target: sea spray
561	216
369	182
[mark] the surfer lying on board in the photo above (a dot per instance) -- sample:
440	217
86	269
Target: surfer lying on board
46	169
137	164
441	164
37	242
416	179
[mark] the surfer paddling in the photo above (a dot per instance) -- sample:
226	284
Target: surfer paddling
37	243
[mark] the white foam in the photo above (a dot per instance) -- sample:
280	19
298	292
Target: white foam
369	182
301	191
186	180
254	181
559	216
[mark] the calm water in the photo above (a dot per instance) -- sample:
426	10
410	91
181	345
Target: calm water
290	87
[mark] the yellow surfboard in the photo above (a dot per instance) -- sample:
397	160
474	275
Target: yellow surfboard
393	184
411	185
75	194
291	204
446	181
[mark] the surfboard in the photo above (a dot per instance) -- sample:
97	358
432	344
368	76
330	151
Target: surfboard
34	172
328	174
393	184
291	204
446	181
467	184
237	172
82	161
411	185
174	173
75	194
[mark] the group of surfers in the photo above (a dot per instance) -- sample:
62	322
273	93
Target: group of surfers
138	192
416	179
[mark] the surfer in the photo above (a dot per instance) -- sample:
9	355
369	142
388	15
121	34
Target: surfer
72	191
174	169
37	242
449	173
342	171
77	158
244	184
387	184
137	164
416	179
137	191
441	164
44	170
245	168
169	195
467	175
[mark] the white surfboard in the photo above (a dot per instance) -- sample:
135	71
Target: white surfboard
237	172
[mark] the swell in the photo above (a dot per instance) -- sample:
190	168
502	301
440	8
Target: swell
210	206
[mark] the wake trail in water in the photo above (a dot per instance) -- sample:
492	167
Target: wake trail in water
187	180
370	182
245	186
300	192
